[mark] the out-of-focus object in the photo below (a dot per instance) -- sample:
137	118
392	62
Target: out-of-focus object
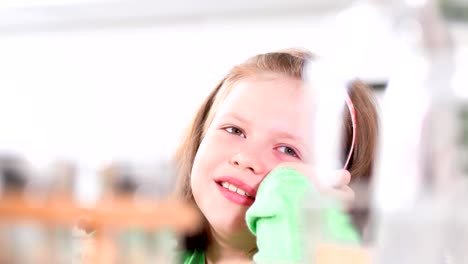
121	183
38	228
418	169
13	173
119	235
455	9
22	240
327	85
60	237
13	182
328	79
333	254
422	45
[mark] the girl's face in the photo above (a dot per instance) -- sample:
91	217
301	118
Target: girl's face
261	123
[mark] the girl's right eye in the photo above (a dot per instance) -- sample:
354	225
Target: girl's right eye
235	131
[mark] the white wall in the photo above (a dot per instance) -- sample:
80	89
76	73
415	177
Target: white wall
127	91
95	94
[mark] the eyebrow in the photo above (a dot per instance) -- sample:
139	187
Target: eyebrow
235	116
284	134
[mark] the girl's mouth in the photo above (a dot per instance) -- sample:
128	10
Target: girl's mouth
235	194
233	188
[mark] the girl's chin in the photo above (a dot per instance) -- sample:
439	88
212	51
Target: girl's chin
232	225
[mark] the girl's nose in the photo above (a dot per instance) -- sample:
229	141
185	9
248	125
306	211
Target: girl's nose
247	159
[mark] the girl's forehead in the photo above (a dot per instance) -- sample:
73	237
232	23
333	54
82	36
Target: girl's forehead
271	101
271	92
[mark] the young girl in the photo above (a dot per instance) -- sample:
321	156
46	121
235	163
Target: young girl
244	161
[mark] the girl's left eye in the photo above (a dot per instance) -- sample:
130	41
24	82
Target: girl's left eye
288	151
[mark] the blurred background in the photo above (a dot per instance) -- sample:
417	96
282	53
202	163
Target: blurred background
99	81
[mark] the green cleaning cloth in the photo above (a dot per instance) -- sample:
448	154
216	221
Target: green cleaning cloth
278	219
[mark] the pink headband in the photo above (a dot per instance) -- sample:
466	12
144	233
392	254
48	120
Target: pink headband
352	112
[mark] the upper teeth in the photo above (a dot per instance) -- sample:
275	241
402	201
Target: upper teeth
235	189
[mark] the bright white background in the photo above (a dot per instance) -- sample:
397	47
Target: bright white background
94	92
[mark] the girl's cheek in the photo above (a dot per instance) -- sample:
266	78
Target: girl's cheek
215	137
282	157
224	138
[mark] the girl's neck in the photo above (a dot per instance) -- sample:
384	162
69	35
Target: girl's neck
233	249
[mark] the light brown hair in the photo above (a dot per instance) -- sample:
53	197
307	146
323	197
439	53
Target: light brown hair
289	63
